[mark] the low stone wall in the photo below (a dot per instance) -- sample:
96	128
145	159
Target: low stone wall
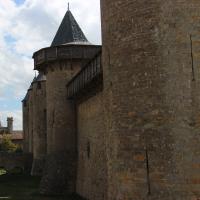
10	161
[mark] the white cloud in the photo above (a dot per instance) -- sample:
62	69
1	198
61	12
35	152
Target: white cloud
27	28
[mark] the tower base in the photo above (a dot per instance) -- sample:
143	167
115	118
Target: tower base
38	167
59	174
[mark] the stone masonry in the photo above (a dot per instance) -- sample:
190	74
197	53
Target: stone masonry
151	82
60	63
30	119
25	110
39	124
92	167
124	123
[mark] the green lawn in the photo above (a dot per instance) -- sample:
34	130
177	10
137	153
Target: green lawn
23	187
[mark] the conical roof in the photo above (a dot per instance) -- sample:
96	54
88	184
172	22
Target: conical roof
69	32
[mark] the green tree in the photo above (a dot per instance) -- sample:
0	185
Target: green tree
7	145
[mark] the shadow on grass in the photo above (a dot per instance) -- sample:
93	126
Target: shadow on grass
25	187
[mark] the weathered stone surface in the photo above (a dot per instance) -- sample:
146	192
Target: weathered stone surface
39	126
38	166
61	133
30	120
92	167
25	111
151	84
58	177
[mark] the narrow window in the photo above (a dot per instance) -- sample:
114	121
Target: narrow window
88	150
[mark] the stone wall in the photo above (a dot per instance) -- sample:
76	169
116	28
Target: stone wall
152	82
39	127
30	120
61	133
25	126
10	161
92	168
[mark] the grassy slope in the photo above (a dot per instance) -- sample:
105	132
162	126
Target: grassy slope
23	187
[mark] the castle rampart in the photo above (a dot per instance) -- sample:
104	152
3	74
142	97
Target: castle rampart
61	133
25	110
30	119
39	125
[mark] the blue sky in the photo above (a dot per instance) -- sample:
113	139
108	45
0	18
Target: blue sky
27	26
19	2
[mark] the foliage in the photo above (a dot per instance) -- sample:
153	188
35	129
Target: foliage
7	145
2	171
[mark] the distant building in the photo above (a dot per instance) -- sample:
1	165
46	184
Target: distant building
9	128
15	136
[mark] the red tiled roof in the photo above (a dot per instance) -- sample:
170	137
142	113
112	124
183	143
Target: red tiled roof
16	135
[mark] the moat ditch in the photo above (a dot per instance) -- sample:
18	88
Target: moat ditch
24	187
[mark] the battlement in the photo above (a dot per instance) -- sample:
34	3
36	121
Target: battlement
64	52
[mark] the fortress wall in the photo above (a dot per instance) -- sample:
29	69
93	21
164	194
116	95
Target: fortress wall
39	127
92	168
10	161
25	127
30	120
60	111
60	169
152	82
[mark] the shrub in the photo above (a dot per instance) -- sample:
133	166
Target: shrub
7	145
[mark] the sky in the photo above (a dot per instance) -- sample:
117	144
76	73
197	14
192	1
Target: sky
25	27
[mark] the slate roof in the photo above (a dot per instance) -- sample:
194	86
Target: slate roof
69	32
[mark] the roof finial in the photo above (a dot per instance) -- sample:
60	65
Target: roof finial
68	6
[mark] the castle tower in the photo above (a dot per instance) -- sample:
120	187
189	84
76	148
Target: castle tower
39	124
30	117
10	124
152	103
69	51
25	112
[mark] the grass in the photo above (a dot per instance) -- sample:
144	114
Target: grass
2	172
23	187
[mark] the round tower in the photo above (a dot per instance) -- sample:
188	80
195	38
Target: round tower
30	118
39	124
152	103
10	124
69	51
